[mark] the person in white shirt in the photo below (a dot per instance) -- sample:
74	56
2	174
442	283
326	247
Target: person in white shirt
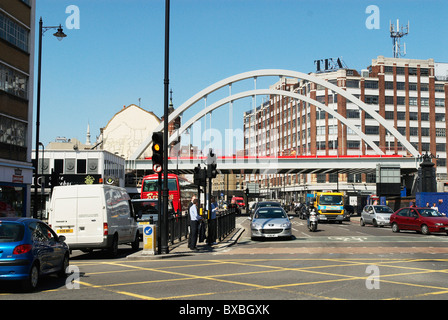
194	225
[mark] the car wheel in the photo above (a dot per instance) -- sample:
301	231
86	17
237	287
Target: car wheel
375	224
136	243
64	265
395	227
425	229
113	250
30	284
361	222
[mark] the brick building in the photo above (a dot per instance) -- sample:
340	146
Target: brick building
409	93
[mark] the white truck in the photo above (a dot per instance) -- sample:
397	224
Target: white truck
94	217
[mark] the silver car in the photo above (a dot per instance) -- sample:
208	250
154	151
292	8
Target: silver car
270	222
377	215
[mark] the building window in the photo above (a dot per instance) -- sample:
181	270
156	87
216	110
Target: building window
389	100
441	162
389	115
424	72
353	114
354	178
441	147
413	131
440	117
371	99
440	102
389	85
400	86
353	144
439	88
412	87
81	166
413	115
13	32
400	70
372	130
12	132
352	84
13	82
370	178
371	84
321	178
412	71
440	132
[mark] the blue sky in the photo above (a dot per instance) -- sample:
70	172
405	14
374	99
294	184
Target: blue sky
116	57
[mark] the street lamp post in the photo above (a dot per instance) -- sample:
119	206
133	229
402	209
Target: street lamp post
164	224
60	35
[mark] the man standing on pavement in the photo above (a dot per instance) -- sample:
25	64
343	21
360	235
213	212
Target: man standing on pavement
194	225
211	239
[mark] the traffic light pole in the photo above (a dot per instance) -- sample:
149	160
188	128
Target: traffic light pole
164	222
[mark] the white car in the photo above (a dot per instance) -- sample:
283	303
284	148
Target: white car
376	215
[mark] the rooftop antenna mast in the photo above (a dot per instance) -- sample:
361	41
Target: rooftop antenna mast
396	34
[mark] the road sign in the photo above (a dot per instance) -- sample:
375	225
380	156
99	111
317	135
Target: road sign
149	239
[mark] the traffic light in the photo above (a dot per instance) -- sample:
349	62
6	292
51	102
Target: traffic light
157	151
211	170
199	176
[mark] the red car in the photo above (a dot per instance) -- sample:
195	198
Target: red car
424	220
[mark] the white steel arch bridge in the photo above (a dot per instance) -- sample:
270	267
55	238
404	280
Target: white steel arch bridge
282	164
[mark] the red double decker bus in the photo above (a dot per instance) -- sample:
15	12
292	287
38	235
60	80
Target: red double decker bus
150	189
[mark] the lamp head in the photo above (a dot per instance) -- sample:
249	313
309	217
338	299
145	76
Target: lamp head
60	34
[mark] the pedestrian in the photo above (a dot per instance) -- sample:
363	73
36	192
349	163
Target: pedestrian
434	207
191	202
211	238
194	225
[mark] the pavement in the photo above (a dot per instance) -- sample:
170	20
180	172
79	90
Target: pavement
180	248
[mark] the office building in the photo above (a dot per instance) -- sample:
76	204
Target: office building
17	29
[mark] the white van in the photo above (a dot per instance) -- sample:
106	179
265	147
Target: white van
93	217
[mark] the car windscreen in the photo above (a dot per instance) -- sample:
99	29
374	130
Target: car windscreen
430	213
383	209
145	208
270	214
269	204
328	199
152	185
11	232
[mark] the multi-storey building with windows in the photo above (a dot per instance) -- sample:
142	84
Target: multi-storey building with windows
17	29
411	94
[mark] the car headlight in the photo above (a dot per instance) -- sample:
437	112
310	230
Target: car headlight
286	225
256	226
439	224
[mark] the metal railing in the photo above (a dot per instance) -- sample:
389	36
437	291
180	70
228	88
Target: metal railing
178	226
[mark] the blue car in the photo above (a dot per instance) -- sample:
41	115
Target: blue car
29	248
